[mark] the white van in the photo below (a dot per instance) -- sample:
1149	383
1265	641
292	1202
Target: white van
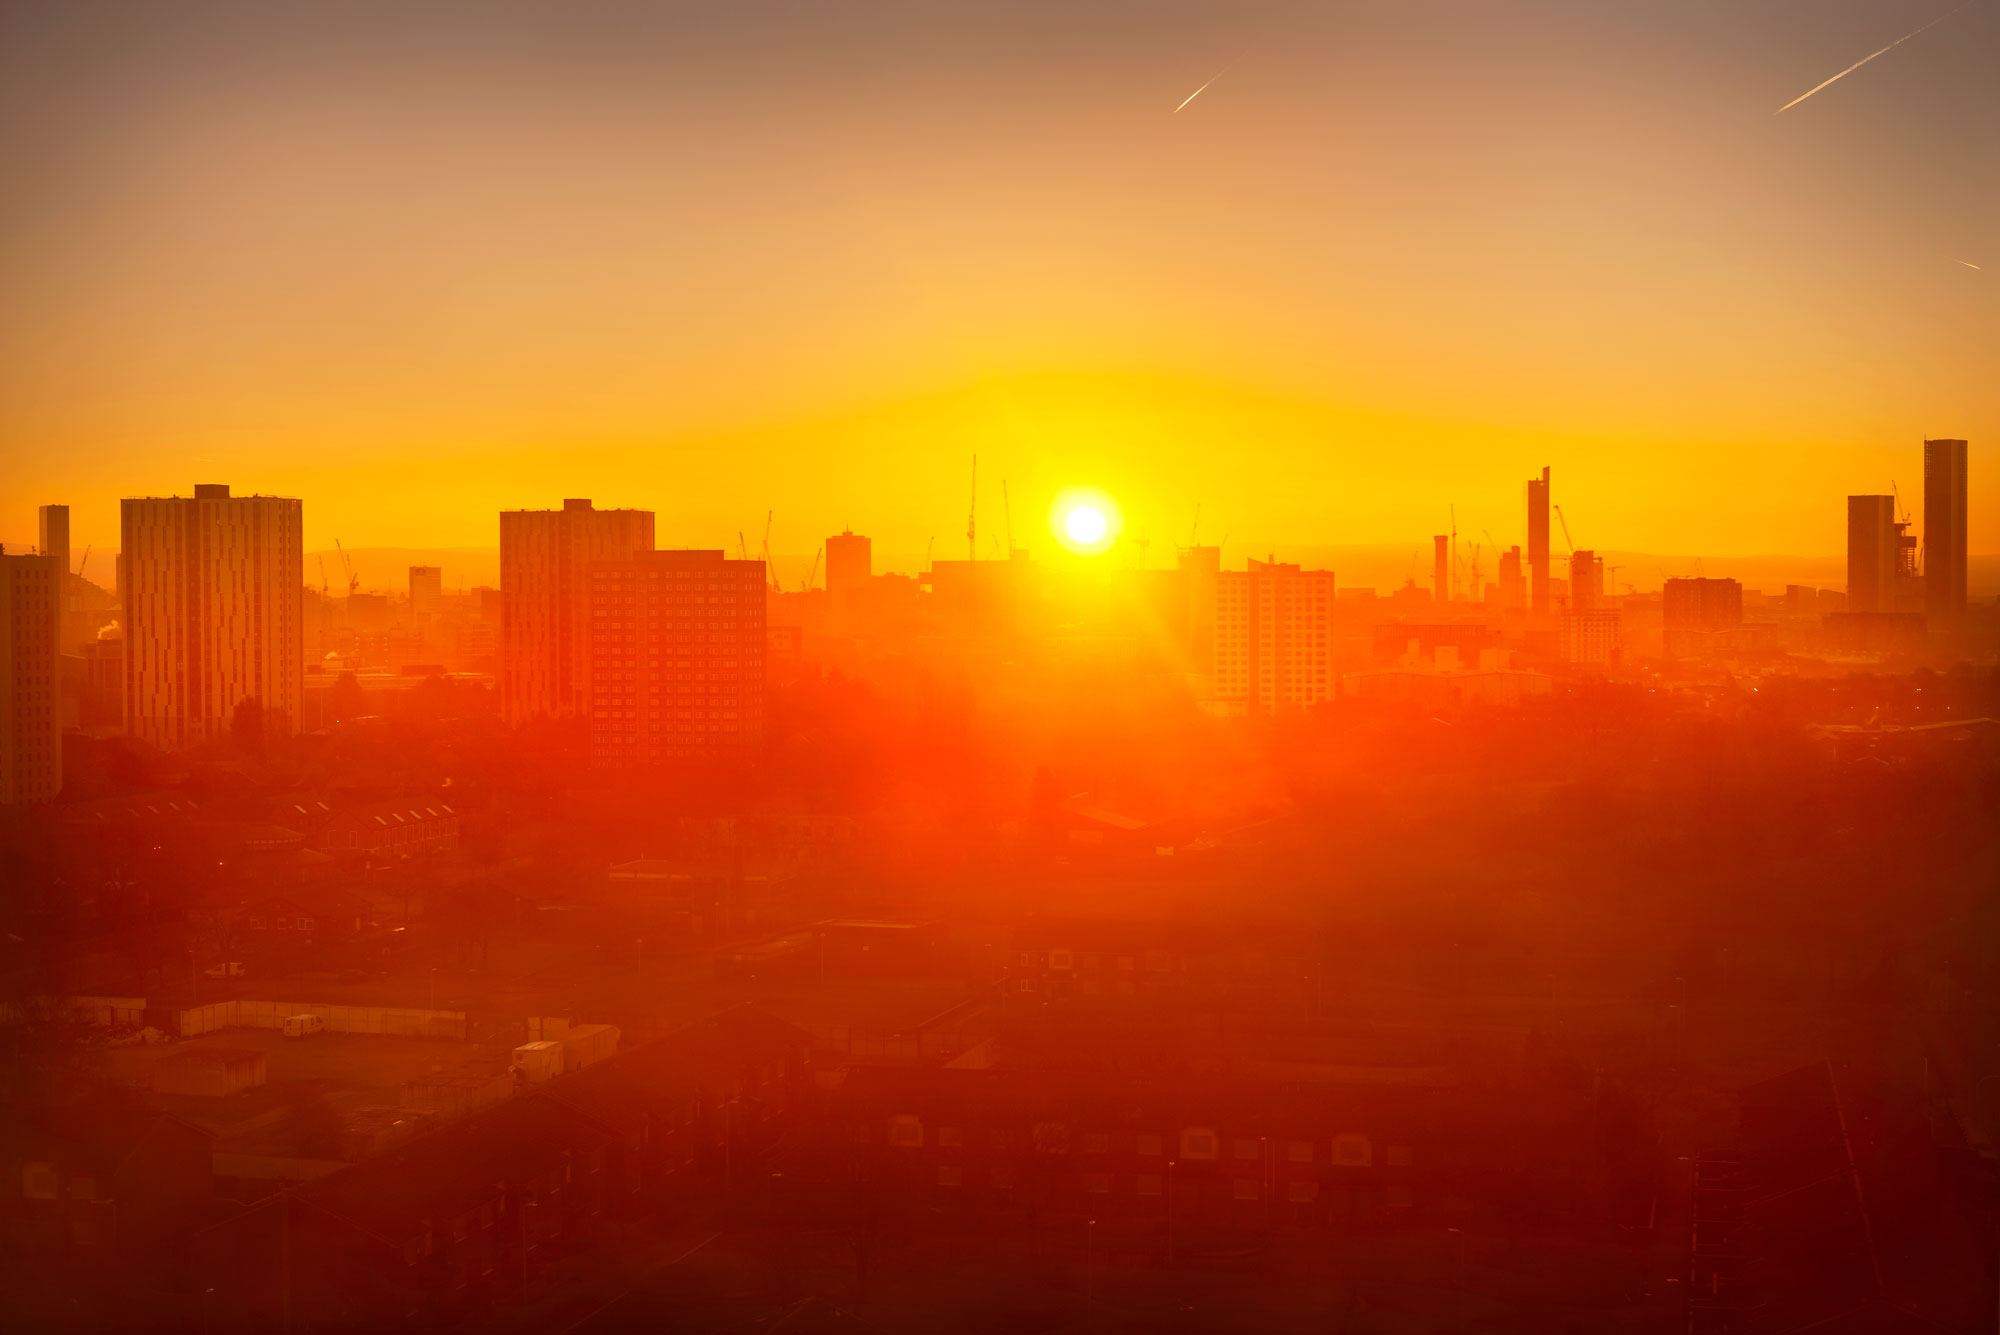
298	1026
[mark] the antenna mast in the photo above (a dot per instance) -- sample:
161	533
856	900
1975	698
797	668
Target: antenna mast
972	515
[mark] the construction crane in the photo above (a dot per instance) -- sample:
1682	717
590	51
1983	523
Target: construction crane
1571	542
972	515
323	594
353	580
813	574
1475	593
768	576
742	547
1453	591
85	562
1194	533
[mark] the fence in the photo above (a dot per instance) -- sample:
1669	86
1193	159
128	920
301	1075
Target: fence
396	1021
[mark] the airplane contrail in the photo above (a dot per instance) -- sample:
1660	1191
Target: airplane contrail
1218	74
1865	59
1970	265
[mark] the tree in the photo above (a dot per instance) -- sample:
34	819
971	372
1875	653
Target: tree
345	701
246	726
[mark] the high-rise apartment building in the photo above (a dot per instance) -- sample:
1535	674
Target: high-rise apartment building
1588	636
850	564
1944	529
1274	639
1201	567
676	644
1697	615
545	562
1872	535
1538	546
213	588
426	590
1512	589
30	695
1586	581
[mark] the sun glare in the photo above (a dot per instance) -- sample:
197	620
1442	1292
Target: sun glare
1085	520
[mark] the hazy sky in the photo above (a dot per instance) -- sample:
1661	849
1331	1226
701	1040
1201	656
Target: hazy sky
419	262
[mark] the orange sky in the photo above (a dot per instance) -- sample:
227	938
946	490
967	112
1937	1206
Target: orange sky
418	267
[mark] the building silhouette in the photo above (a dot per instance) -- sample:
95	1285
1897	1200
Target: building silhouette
545	563
1588	635
850	564
213	589
1538	546
1586	581
676	646
1274	639
31	587
1944	529
426	590
1201	567
1698	616
1512	589
1872	551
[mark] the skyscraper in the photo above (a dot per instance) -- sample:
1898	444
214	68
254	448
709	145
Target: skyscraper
1512	588
1538	545
1944	529
850	565
1441	568
545	561
54	523
426	590
1586	581
1201	567
213	588
1871	553
30	700
676	642
1697	614
1274	639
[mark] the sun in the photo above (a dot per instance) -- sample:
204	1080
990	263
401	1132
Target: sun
1085	520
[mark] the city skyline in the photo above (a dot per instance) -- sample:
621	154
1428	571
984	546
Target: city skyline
796	269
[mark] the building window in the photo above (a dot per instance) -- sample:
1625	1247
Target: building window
950	1175
1097	1184
1149	1184
950	1136
1301	1189
1401	1156
1353	1151
1096	1142
1247	1189
1198	1142
1401	1198
38	1182
1152	1146
1246	1148
1300	1151
906	1132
